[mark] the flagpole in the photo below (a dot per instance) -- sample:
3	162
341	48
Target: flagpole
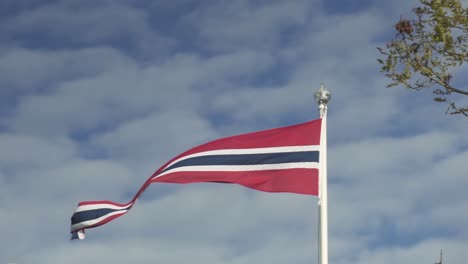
322	96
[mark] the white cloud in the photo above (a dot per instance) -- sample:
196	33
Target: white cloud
24	150
40	70
147	143
243	24
129	251
122	93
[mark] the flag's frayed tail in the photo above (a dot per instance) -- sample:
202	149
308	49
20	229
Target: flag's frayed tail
95	213
283	159
78	234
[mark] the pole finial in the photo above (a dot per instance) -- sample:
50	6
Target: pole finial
322	96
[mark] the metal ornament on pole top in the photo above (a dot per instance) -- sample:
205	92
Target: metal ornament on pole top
322	96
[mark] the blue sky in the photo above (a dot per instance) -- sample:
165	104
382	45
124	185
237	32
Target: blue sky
95	96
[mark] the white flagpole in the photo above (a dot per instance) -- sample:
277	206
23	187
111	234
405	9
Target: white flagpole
323	96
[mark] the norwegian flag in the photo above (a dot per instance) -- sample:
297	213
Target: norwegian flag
284	159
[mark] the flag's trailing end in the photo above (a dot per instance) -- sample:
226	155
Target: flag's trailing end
93	214
283	159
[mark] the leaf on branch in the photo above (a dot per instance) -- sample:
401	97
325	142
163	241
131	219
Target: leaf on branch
427	49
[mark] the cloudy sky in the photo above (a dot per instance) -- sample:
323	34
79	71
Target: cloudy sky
96	95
